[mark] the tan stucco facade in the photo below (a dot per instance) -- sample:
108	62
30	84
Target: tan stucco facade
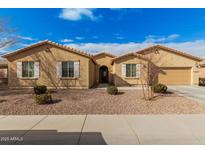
48	60
202	72
92	77
168	59
119	80
103	59
175	64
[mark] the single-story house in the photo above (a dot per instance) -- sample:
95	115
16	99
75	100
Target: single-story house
55	65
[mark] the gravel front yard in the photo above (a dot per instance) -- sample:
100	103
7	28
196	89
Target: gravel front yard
93	101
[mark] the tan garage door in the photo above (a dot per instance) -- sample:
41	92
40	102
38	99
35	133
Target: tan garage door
175	76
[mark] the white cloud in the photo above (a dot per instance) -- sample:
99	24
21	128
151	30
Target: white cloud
25	38
173	36
114	48
76	14
5	45
79	38
66	40
116	34
196	47
95	37
160	39
24	44
119	37
2	51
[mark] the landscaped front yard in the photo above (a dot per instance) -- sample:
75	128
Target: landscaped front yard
95	101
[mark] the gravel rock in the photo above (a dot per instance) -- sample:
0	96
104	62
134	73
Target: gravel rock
95	101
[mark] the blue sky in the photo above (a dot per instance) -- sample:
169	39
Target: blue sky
114	30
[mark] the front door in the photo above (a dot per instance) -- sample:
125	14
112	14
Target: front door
103	74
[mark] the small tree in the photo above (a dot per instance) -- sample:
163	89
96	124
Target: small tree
150	75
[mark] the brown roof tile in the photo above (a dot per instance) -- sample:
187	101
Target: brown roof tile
51	43
170	49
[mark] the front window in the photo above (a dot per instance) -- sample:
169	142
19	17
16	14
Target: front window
130	70
28	69
68	69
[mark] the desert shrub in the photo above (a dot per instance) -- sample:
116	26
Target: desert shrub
160	88
201	81
40	89
43	98
111	84
112	90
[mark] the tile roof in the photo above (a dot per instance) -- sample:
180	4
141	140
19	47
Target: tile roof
51	43
171	50
104	53
129	54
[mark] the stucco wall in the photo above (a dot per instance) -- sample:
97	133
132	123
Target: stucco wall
3	72
124	81
91	70
104	60
202	72
165	58
48	74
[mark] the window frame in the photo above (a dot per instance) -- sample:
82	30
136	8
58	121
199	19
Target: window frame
68	69
29	70
130	71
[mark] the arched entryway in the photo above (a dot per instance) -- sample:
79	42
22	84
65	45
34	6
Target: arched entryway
103	74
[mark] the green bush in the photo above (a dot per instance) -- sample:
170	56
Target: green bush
43	98
160	88
112	90
201	81
40	89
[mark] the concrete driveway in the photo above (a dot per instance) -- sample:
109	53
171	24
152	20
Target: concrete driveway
102	129
193	92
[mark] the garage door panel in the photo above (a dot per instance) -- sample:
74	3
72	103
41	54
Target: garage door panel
175	76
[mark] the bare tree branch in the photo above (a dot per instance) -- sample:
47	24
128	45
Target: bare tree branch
151	72
7	36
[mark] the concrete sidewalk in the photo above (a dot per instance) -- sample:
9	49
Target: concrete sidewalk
102	129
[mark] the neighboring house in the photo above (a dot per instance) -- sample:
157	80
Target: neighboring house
55	65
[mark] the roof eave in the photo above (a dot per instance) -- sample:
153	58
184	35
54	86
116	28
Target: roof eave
172	50
47	42
129	54
105	53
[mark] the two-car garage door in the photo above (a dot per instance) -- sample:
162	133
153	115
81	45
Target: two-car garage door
175	76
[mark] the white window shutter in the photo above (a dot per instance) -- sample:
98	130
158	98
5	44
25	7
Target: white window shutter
19	69
123	70
36	69
59	69
77	69
138	66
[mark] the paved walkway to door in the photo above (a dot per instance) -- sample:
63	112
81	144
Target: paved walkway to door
103	129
